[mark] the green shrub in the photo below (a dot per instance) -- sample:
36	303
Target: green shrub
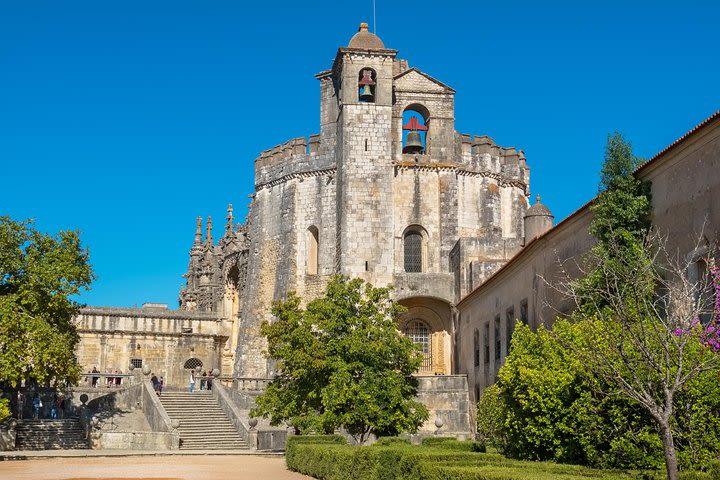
435	441
385	441
446	459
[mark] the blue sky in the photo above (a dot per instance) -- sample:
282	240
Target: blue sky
126	120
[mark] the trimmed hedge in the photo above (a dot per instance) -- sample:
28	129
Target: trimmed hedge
446	459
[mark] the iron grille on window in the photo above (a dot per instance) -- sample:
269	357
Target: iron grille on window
476	348
486	342
136	362
192	363
413	252
419	333
498	343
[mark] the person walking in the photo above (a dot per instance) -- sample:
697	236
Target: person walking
209	381
192	380
95	378
156	384
37	405
203	379
20	404
162	384
60	405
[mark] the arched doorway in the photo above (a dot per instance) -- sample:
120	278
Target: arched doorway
428	323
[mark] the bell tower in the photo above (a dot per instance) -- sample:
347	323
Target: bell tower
363	77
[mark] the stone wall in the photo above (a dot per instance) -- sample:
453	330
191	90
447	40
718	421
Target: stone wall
685	186
162	339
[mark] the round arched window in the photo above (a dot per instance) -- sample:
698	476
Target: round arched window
419	333
192	363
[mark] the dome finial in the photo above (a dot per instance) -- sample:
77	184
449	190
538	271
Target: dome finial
537	198
363	27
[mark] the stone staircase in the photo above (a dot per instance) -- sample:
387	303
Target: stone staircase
203	424
63	434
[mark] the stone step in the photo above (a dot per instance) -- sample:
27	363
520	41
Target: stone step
47	434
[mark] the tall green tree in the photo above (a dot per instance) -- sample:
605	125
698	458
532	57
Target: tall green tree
636	304
341	362
39	273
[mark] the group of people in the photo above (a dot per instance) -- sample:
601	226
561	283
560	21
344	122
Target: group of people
39	409
157	384
205	381
109	379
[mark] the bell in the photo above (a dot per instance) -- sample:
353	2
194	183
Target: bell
366	94
413	143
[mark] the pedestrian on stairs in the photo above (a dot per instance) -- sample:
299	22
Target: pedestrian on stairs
192	380
156	384
37	405
20	404
162	384
202	380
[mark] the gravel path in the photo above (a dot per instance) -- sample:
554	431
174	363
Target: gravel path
234	467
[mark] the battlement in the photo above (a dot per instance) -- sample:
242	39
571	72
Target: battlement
482	154
294	156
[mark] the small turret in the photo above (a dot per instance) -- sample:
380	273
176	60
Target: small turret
198	233
208	235
537	220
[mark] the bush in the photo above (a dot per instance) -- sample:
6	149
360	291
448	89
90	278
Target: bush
385	441
490	415
439	459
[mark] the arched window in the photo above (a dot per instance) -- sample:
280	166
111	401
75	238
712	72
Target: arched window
419	333
415	125
312	250
192	363
413	251
366	85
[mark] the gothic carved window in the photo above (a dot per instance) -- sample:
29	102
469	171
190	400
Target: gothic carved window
413	251
312	250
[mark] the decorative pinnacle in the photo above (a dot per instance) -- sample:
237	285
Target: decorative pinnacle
363	27
208	235
198	232
537	198
230	219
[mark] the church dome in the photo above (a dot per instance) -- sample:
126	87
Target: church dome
538	209
365	39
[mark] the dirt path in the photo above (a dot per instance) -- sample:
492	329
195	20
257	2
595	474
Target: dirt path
240	467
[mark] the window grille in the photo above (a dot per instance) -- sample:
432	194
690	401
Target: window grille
413	252
476	348
419	333
486	343
136	362
192	363
498	342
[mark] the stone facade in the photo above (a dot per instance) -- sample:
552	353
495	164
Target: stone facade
345	200
685	186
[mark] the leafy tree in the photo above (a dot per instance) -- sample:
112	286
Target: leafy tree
553	408
38	275
641	334
341	362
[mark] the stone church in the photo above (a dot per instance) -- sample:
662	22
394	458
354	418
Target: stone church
388	191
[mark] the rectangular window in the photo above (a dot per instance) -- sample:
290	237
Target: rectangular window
509	328
136	362
498	342
486	343
524	312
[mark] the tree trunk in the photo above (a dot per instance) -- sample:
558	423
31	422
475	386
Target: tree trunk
671	464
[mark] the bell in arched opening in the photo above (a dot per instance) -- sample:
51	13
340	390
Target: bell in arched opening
413	141
366	84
